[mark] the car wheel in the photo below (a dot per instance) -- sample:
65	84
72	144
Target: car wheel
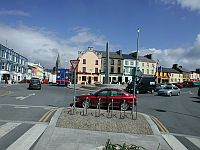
86	103
178	93
124	106
170	94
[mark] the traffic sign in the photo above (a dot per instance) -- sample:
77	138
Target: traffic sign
74	63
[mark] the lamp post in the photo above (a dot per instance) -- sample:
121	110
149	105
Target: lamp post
135	72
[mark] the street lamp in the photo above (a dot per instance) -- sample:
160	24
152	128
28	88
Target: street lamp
135	72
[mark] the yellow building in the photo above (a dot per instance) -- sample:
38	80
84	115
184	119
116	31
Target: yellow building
88	70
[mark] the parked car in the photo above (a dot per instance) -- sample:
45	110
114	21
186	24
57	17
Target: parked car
121	99
160	86
143	85
169	90
179	85
35	84
198	92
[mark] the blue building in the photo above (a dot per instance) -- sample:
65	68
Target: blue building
13	66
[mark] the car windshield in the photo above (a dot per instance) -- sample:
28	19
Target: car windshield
35	81
168	87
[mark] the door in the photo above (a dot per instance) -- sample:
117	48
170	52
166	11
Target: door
102	95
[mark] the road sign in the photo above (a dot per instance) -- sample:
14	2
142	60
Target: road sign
74	63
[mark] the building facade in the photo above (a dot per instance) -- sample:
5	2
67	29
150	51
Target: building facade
89	67
185	72
13	66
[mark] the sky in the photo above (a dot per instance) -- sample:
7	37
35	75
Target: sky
40	29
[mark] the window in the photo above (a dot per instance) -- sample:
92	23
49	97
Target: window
116	93
96	70
142	70
147	64
96	62
119	62
103	93
119	69
3	66
132	63
153	66
96	79
111	69
112	62
142	64
126	70
84	61
83	78
3	54
147	71
126	62
84	69
171	80
152	71
19	69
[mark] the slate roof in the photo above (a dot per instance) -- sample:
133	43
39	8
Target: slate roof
145	59
183	69
112	54
170	70
127	56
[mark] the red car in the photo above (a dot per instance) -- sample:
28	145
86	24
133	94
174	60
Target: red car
121	99
179	85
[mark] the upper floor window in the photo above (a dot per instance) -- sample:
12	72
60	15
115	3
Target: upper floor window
126	62
147	64
3	66
152	71
96	70
119	62
153	65
3	54
119	69
147	71
84	61
112	62
84	69
96	62
142	70
142	64
111	69
132	63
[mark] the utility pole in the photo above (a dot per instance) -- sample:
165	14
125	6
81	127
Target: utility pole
135	72
107	65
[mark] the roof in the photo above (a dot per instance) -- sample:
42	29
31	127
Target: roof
112	54
170	70
145	59
183	69
127	56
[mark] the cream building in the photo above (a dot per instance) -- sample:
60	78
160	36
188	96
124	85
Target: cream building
89	66
147	65
194	75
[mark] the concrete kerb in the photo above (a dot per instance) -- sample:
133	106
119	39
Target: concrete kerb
46	137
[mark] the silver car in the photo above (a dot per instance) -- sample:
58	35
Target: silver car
169	90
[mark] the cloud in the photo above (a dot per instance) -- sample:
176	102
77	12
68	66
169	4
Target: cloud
193	5
14	13
42	46
187	57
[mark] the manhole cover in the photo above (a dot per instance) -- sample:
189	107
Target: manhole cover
160	110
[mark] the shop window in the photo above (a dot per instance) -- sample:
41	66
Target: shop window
96	79
83	78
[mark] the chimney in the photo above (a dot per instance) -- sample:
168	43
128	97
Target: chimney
133	54
175	66
90	49
149	56
198	70
180	67
119	52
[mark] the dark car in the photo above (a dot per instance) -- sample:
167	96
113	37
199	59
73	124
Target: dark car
35	84
198	94
143	85
121	99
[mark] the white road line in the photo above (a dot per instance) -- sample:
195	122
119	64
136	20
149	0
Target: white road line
174	142
14	105
195	141
21	107
6	128
28	138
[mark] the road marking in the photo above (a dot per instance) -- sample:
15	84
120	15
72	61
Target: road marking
24	97
173	142
14	105
27	122
28	138
6	128
21	107
195	141
159	124
45	117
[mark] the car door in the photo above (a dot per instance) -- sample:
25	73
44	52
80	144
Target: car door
117	97
102	95
176	90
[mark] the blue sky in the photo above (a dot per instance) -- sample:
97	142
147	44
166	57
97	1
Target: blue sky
169	29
